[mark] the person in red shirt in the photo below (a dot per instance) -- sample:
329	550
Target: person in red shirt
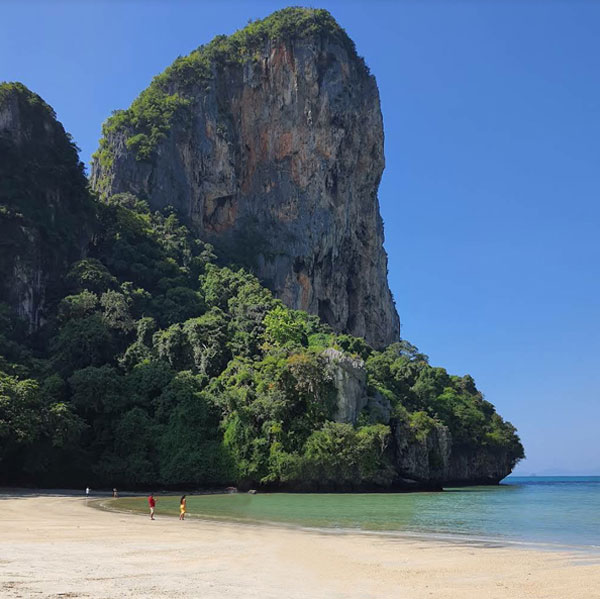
152	504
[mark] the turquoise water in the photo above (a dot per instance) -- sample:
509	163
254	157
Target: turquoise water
541	510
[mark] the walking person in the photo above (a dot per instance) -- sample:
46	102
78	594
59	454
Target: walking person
182	504
152	505
115	494
87	492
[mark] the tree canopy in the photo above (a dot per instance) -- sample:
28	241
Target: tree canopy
160	365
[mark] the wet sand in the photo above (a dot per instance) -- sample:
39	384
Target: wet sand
58	546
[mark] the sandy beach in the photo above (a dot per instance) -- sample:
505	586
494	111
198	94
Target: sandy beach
57	546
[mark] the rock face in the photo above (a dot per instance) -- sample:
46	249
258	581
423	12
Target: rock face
478	467
422	459
350	381
44	203
426	459
434	458
271	146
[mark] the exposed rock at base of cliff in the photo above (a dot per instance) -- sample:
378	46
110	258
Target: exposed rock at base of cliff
421	458
270	143
478	466
434	459
44	203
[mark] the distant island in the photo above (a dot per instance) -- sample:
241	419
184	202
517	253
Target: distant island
211	308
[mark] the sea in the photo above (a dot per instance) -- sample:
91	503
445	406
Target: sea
549	512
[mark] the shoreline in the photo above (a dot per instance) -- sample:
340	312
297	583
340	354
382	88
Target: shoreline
55	546
425	536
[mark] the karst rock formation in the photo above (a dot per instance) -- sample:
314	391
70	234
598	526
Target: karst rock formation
45	207
270	144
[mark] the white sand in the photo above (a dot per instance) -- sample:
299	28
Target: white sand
59	547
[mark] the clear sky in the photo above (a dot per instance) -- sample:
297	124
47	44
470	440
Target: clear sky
491	191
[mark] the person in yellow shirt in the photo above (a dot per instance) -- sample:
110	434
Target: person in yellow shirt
182	502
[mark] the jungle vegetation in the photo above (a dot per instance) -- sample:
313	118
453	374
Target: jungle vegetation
159	365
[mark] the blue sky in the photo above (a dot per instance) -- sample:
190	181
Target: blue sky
490	194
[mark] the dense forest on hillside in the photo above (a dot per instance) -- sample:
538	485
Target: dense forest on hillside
161	366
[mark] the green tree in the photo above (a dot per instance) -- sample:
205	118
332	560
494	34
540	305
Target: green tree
287	328
207	342
91	275
115	311
191	446
340	456
20	413
82	342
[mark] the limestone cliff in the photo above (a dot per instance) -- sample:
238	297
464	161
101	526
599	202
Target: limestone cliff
433	458
44	203
420	458
270	143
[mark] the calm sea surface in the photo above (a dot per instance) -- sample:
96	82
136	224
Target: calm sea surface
541	510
